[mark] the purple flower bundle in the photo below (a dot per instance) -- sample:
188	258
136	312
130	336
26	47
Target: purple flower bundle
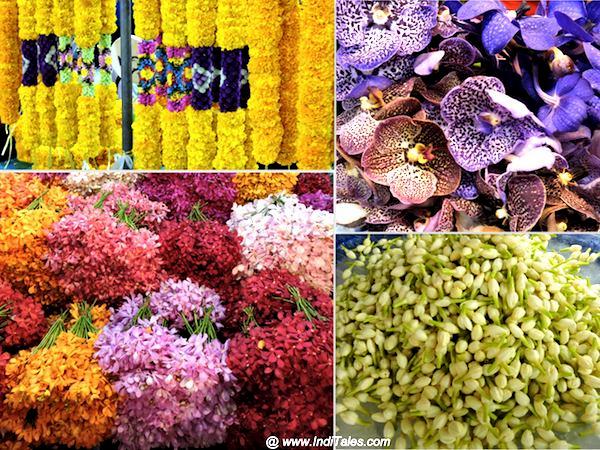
469	115
175	388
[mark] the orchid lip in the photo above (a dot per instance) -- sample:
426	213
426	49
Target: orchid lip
552	100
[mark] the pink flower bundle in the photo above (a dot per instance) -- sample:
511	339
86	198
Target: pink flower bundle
96	256
279	231
119	196
173	382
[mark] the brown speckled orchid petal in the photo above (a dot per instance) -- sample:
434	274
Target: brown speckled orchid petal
577	203
468	207
434	94
443	166
387	151
398	90
357	134
526	200
346	116
383	216
399	227
401	106
411	184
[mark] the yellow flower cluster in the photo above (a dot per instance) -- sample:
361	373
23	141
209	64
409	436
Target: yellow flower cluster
174	139
202	146
74	402
23	245
201	27
173	15
288	51
27	20
10	62
110	106
264	70
147	142
231	137
63	18
251	186
108	17
314	147
231	28
88	141
43	16
65	102
146	15
88	22
44	100
28	136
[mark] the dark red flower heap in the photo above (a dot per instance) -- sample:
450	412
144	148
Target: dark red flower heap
283	360
206	252
22	320
314	182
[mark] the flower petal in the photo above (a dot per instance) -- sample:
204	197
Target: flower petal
458	51
539	33
469	99
350	22
498	30
427	63
411	184
357	134
401	106
378	46
474	8
572	27
526	199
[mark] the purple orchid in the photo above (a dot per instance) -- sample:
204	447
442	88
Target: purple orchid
483	124
411	157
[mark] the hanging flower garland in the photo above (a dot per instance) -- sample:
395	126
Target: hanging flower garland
106	90
231	121
264	70
288	51
10	62
316	86
67	90
201	29
146	131
28	124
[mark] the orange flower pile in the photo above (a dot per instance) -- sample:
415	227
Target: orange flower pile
17	190
23	244
252	186
59	395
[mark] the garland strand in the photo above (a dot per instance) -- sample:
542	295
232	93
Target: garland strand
178	84
231	121
201	29
314	148
288	51
67	90
27	131
10	62
264	35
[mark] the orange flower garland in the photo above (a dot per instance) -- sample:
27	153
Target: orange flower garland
252	186
10	62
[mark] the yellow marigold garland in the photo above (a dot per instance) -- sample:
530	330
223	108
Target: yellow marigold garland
65	101
43	16
88	142
251	163
231	126
175	137
251	186
202	146
288	51
88	22
147	137
44	100
264	35
146	14
28	124
10	62
109	107
173	17
201	29
27	20
314	148
108	17
62	18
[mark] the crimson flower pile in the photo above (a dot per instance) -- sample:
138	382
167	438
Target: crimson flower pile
181	318
468	115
